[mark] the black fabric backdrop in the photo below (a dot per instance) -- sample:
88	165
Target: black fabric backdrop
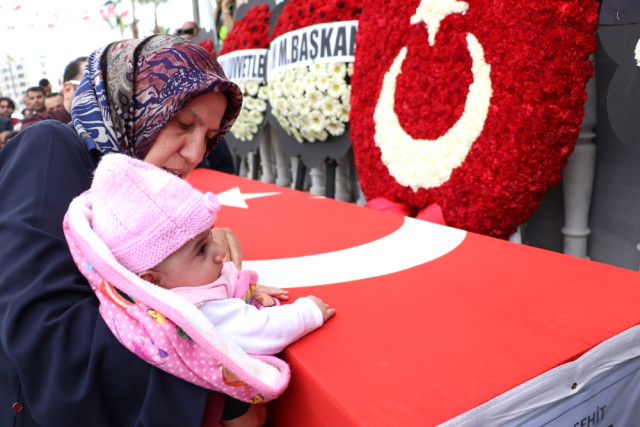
614	12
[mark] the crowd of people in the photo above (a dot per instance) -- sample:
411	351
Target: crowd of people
41	103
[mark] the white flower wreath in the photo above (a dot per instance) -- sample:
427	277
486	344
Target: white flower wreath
311	103
251	117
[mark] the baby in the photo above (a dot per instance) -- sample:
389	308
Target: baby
159	227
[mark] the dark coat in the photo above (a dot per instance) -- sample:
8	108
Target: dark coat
59	114
58	359
5	123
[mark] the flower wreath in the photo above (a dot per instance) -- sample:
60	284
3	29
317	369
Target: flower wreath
472	106
250	32
208	46
311	103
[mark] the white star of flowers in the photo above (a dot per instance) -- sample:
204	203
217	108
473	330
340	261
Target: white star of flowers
235	198
431	12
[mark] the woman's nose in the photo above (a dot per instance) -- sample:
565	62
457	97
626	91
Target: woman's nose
194	149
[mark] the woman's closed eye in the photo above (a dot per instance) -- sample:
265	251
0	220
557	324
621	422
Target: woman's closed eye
187	125
184	124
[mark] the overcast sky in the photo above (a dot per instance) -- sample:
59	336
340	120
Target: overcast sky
32	28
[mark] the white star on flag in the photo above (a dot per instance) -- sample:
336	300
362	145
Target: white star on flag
431	12
235	198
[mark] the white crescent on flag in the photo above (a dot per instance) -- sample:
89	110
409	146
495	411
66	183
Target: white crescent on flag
414	243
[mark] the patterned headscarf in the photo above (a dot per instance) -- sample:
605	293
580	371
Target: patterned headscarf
131	89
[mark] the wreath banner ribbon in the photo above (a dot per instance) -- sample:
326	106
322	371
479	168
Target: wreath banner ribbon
315	44
245	65
431	213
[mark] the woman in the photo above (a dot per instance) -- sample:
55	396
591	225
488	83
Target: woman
160	99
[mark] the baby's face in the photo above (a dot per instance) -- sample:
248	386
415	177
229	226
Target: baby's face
197	263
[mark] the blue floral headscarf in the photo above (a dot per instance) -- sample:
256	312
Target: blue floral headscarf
131	89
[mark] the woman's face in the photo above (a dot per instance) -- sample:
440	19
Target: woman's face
182	142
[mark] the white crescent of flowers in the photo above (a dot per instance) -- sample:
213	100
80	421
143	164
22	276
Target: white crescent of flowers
424	163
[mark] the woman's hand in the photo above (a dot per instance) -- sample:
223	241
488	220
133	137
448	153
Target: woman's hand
230	242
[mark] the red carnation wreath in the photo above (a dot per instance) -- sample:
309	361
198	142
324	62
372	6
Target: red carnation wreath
208	46
311	103
472	106
303	13
250	32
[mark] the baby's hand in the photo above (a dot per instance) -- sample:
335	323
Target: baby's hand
327	312
281	294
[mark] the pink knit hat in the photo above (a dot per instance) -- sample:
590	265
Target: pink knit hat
143	213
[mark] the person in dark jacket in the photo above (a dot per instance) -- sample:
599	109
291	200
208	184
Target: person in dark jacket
59	363
5	124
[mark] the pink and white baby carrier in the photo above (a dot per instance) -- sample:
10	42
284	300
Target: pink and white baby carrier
163	328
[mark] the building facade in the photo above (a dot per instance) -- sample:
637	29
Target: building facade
19	74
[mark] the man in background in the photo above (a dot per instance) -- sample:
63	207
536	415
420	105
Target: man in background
35	100
45	85
71	80
7	106
53	100
189	30
6	125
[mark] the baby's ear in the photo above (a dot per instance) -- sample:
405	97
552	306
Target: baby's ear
151	276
